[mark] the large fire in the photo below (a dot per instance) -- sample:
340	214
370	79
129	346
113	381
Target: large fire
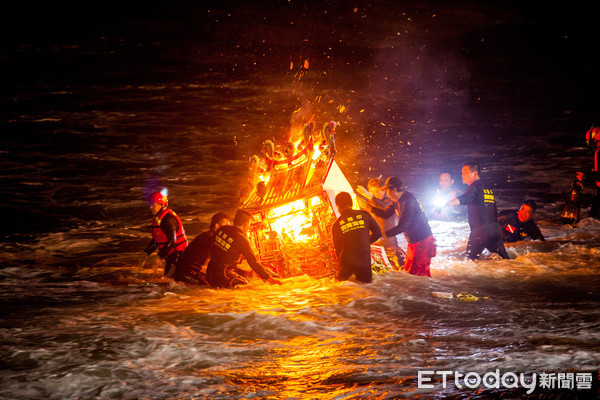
290	194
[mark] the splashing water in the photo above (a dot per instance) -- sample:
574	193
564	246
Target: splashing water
180	100
101	333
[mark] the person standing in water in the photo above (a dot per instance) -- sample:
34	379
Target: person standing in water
443	194
482	214
412	222
353	232
168	233
592	178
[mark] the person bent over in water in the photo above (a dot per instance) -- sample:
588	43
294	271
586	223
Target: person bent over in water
517	225
482	214
191	265
353	232
413	223
229	243
393	251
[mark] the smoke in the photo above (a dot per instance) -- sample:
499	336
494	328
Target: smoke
414	87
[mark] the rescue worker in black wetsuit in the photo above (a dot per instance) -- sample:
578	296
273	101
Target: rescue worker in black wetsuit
228	245
482	214
517	225
413	222
353	232
592	178
168	234
191	265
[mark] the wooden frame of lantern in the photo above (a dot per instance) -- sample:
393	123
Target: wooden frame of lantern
292	202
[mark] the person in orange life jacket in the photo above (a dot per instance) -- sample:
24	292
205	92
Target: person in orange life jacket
189	267
517	225
592	178
412	221
482	214
168	234
352	233
394	253
228	246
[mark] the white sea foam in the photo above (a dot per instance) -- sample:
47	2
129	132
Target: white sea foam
79	321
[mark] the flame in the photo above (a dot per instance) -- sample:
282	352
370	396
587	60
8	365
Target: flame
316	153
292	237
292	221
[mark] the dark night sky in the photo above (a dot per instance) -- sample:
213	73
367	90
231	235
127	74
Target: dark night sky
555	43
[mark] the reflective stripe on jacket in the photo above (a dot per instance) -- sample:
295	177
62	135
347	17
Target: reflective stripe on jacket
161	238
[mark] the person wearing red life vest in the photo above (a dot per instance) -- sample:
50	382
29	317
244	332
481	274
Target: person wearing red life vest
168	233
592	178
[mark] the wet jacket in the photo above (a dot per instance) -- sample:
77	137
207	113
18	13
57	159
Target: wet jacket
481	205
352	233
228	244
514	230
168	233
195	255
411	218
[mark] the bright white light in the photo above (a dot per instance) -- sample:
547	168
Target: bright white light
439	201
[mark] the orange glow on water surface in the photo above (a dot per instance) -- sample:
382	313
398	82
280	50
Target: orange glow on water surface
305	338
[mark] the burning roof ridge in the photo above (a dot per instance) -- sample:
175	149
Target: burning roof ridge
290	171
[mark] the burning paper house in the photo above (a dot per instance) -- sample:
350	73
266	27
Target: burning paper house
290	195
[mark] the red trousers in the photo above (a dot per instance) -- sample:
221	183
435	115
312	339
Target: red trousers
418	256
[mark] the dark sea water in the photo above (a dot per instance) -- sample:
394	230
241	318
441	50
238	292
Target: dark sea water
104	102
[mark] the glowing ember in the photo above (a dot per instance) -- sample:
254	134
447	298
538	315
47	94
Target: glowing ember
290	193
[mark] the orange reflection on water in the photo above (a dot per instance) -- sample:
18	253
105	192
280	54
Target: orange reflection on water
315	367
303	365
